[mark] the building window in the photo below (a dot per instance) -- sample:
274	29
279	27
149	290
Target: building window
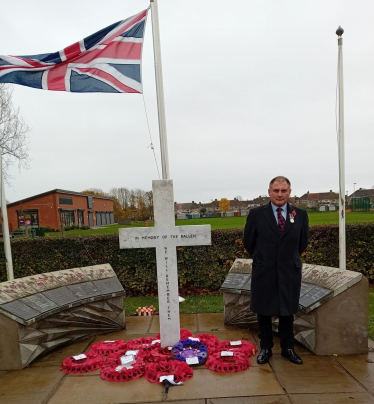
80	218
67	217
65	201
89	202
28	218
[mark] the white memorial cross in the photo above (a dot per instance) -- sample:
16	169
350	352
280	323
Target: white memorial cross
165	236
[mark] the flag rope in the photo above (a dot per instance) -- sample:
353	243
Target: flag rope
150	136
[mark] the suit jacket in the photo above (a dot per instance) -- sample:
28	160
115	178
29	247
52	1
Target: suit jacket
276	269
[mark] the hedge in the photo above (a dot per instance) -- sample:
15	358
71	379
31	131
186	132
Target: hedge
200	268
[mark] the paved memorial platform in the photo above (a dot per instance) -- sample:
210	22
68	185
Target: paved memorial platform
42	312
333	310
323	380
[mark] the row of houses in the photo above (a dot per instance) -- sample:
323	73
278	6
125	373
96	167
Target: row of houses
308	200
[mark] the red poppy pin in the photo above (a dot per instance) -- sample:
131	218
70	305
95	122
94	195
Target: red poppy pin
292	216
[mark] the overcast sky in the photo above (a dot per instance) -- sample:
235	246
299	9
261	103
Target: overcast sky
249	93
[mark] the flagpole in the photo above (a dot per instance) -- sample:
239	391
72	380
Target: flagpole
342	244
4	211
160	91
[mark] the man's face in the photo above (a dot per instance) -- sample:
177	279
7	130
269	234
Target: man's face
279	193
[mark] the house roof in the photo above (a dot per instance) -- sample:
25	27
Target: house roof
55	191
362	192
319	196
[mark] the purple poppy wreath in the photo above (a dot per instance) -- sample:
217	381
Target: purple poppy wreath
187	349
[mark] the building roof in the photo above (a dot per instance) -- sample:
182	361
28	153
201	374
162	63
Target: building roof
319	196
56	191
362	192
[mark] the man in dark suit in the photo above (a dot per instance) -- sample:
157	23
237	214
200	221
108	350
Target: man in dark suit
276	235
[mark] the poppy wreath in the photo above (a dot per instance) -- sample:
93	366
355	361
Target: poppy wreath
110	373
141	344
184	334
180	370
211	341
188	348
228	364
90	363
246	347
158	354
107	348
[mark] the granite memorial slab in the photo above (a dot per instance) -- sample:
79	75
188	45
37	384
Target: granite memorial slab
35	323
108	286
39	302
61	296
84	290
333	308
237	281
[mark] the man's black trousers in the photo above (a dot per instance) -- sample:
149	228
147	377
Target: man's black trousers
285	332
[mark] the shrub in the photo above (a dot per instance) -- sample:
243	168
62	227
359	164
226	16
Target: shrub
201	268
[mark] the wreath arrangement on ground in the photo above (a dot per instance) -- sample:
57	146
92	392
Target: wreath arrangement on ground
180	370
228	364
108	347
157	354
90	363
189	348
142	344
245	347
113	371
211	341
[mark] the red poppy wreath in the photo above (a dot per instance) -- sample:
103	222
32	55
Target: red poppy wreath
114	371
242	346
141	344
180	370
228	364
184	334
108	347
88	363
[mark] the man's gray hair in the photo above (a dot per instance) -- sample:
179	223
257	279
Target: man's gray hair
280	178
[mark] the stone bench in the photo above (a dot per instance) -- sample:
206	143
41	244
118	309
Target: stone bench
42	312
333	307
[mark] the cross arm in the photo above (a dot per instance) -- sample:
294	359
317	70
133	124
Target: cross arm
139	237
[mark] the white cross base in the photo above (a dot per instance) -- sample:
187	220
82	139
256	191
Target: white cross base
165	236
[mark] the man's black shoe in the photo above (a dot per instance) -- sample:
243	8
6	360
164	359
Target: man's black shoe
263	356
292	356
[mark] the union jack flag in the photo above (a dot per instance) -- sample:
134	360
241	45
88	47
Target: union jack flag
108	61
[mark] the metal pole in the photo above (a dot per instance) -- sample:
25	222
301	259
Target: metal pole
4	211
160	91
342	245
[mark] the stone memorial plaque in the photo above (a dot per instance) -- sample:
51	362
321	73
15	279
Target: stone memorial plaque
305	288
39	303
61	296
109	285
84	290
314	296
342	280
42	282
235	281
17	288
101	271
70	276
4	297
242	266
19	309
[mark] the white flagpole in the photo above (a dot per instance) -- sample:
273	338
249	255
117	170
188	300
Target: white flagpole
342	245
4	211
160	91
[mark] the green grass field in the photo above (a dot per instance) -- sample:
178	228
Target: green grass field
229	222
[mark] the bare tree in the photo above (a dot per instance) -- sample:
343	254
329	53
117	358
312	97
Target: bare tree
13	132
239	198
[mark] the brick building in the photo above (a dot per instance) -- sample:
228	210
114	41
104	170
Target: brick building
59	206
